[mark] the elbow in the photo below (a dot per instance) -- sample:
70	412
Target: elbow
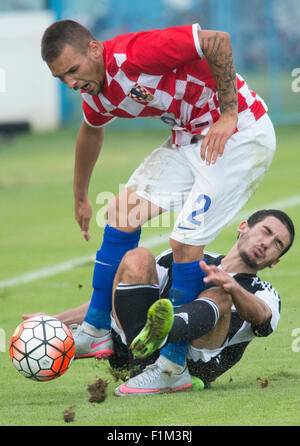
225	35
212	42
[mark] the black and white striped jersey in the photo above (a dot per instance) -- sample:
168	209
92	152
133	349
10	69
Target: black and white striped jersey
251	282
241	332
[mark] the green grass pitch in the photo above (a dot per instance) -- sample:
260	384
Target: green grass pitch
38	230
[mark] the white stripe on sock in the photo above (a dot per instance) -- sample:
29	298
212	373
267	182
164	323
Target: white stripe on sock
213	305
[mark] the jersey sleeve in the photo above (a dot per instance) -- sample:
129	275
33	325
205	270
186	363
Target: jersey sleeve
92	116
157	51
270	296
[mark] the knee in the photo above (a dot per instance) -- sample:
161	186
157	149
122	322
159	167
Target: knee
123	211
225	301
113	212
222	299
138	266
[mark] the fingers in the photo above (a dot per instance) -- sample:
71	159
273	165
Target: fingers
204	266
217	276
86	235
214	142
203	147
208	268
84	225
83	214
212	272
209	271
212	146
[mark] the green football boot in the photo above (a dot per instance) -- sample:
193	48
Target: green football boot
159	323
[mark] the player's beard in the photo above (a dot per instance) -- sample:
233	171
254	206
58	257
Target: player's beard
247	258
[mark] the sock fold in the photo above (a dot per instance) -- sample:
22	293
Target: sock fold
187	282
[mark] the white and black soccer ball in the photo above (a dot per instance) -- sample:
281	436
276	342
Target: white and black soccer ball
42	348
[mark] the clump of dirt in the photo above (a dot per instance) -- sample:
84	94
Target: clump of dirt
263	382
119	374
97	391
69	415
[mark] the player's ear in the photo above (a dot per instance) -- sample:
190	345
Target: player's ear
243	227
274	263
94	48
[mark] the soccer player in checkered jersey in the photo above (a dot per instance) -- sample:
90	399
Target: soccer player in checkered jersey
221	145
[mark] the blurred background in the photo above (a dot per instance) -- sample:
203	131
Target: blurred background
265	38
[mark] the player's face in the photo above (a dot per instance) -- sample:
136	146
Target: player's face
261	245
81	71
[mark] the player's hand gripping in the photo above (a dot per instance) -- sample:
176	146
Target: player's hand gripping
219	277
83	215
213	144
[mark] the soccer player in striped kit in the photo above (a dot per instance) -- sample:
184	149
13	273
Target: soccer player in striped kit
235	308
221	145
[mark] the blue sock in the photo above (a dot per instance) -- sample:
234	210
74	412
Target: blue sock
186	286
114	245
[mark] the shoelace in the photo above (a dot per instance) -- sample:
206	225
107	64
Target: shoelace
150	373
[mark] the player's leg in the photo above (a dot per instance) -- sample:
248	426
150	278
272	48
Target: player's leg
188	240
135	287
208	318
135	290
218	193
187	284
167	178
72	316
192	319
125	214
203	319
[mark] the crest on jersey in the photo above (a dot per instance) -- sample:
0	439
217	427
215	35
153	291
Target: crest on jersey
140	94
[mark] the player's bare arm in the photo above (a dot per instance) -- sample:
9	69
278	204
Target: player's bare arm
68	317
88	146
217	50
250	307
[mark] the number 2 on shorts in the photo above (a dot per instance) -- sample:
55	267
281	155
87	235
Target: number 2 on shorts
206	204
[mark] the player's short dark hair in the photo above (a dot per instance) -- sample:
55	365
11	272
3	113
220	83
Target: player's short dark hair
61	33
281	216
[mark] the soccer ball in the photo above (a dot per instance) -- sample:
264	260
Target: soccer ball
42	348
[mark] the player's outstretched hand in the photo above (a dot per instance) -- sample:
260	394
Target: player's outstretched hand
218	276
83	215
213	144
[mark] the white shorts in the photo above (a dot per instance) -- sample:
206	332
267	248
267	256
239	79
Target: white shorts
206	197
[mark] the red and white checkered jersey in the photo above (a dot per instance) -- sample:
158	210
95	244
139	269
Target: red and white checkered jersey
163	74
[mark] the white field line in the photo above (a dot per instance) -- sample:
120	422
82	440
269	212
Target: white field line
150	242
